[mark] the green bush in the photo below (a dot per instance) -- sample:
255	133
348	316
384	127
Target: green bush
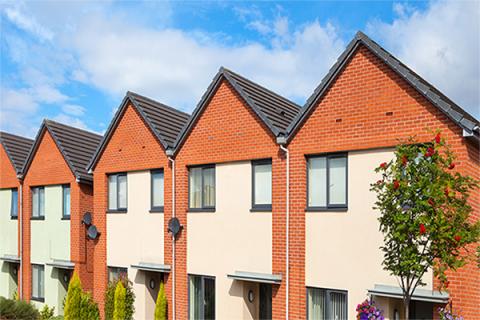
119	308
88	307
161	304
17	309
46	313
110	298
79	304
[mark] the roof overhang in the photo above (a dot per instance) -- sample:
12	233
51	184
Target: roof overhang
256	277
10	258
418	295
154	267
61	264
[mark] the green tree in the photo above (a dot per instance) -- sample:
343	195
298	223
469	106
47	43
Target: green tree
72	310
425	213
161	304
110	298
119	308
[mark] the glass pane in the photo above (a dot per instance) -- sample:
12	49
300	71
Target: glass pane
41	195
66	201
41	282
35	281
209	187
338	179
35	202
316	304
157	192
112	192
195	300
122	191
263	184
209	288
195	186
14	204
338	306
317	182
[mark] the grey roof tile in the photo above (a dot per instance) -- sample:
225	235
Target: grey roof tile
17	149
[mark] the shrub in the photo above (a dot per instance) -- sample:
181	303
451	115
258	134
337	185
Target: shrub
46	313
17	309
110	298
119	305
79	304
88	307
161	304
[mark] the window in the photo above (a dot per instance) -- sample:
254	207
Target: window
157	190
325	304
116	272
117	192
201	300
66	202
38	203
38	282
327	181
262	184
14	204
202	188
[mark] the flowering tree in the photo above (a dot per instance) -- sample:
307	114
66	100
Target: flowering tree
425	213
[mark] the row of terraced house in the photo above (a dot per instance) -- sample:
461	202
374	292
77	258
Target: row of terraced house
272	199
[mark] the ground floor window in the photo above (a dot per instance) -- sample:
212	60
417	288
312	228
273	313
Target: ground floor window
38	282
116	272
201	300
326	304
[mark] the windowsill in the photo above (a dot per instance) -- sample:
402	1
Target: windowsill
13	217
201	209
261	209
156	210
117	211
37	299
65	218
37	218
326	209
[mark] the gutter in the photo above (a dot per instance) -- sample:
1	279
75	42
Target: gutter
169	153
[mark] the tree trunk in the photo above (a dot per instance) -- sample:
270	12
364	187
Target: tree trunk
406	304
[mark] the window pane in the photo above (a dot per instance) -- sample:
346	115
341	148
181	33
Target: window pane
338	179
316	304
338	306
41	205
263	184
34	202
112	192
157	189
41	282
195	301
317	181
195	187
35	281
14	204
209	288
209	187
66	201
122	191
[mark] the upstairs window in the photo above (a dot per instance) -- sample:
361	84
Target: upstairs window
157	192
14	204
66	202
262	185
202	188
38	202
327	181
117	192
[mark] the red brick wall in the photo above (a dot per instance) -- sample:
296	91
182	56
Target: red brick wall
352	115
131	147
227	131
48	167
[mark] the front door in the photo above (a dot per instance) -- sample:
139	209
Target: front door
265	301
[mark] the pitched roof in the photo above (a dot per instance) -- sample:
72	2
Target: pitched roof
165	122
458	115
17	149
275	111
76	145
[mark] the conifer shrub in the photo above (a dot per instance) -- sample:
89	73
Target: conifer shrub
119	304
161	304
110	298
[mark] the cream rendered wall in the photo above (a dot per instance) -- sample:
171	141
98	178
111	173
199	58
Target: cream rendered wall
342	248
8	241
50	240
229	239
136	236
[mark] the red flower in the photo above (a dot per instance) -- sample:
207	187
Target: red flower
404	160
422	228
383	165
451	166
431	202
447	192
396	184
437	138
458	238
430	152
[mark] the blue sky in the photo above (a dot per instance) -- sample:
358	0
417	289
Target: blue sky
74	61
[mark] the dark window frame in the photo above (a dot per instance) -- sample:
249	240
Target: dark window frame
152	207
39	217
327	299
13	204
117	270
203	208
32	297
260	207
118	209
64	187
203	277
328	207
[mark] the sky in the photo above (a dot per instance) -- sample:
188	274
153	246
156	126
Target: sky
73	61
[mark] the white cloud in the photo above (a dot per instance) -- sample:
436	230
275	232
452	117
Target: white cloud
70	121
73	109
442	44
28	23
